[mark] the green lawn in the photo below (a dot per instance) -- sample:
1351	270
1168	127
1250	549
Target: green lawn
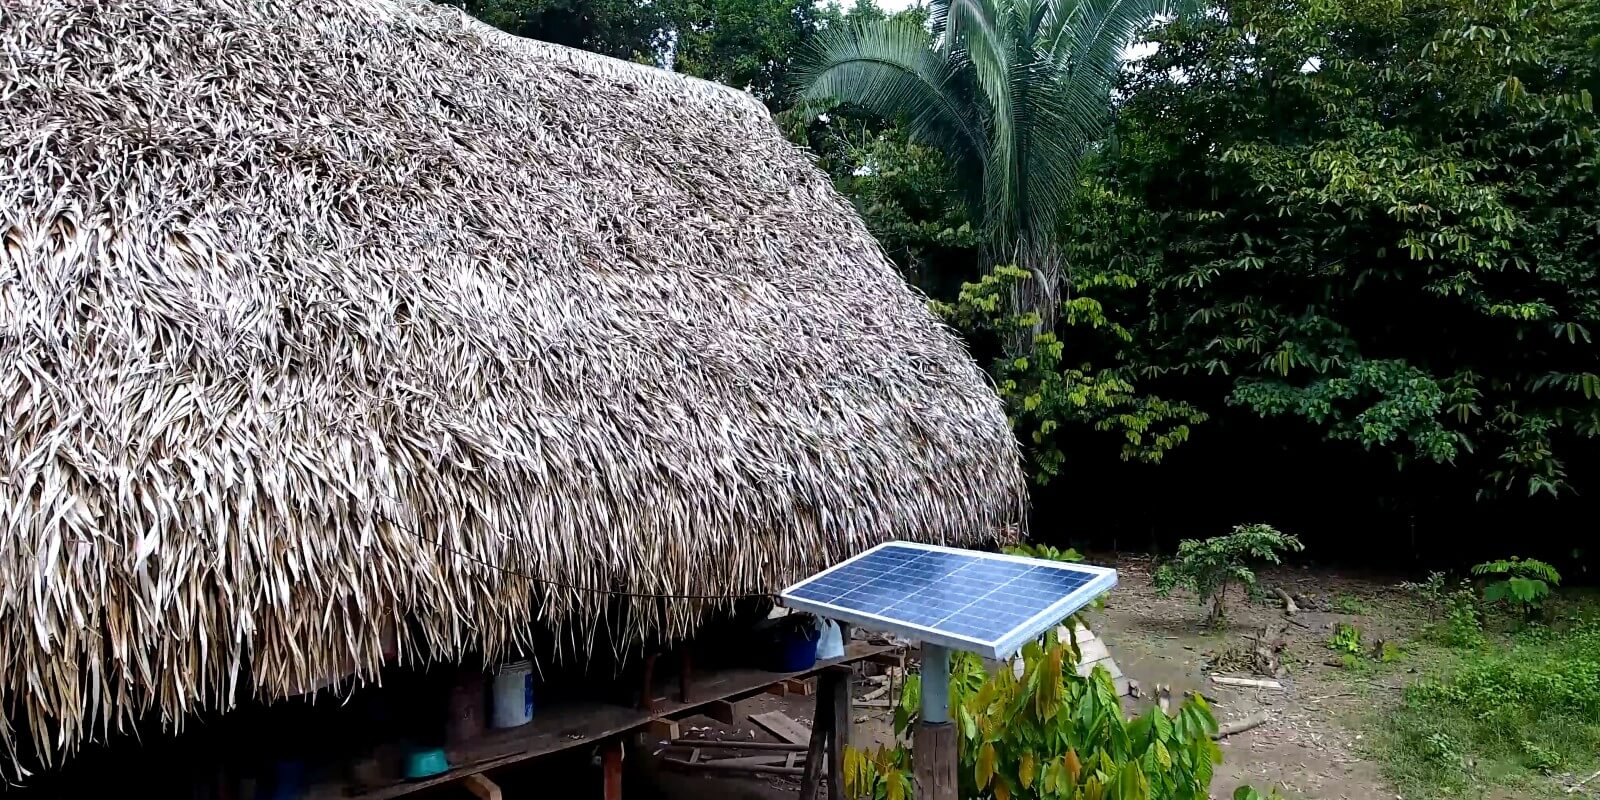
1515	712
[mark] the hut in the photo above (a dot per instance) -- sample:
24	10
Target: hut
337	333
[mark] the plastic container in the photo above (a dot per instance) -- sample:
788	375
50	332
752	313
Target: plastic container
512	695
793	649
425	763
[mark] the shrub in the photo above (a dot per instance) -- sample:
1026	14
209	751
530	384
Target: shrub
1522	584
1462	626
1346	639
1431	592
1045	552
1050	733
1208	568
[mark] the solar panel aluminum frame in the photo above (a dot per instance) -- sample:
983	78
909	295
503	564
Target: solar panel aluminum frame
1003	648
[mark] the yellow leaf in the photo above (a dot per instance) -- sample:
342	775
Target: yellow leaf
1001	791
1074	766
1093	790
896	788
1025	769
984	770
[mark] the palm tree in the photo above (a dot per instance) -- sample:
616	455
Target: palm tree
1013	92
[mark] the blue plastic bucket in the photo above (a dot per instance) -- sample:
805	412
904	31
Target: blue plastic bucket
793	650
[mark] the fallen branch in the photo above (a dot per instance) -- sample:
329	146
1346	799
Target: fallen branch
1238	726
1573	789
1251	683
1289	608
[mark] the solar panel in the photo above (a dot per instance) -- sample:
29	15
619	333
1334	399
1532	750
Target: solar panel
980	602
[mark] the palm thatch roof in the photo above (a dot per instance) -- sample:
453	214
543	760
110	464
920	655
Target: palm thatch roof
321	321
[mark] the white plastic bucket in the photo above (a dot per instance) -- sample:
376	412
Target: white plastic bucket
512	695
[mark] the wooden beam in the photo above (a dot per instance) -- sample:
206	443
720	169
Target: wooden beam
481	787
611	769
647	689
718	744
805	687
713	766
721	711
816	751
782	726
838	729
664	729
768	760
894	659
685	672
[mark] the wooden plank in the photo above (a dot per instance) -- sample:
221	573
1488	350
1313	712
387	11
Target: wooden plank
878	703
1251	683
782	726
560	726
664	729
718	744
482	787
778	759
804	688
779	689
712	766
893	657
721	711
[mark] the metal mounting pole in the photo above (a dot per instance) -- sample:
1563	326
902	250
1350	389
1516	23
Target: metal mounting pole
935	683
933	752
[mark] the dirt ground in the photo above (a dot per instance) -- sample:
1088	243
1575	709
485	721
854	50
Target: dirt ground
1309	748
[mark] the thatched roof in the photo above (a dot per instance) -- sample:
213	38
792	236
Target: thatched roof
289	289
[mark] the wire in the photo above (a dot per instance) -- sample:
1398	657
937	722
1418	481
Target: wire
573	587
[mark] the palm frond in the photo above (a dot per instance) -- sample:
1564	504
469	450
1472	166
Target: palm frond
888	68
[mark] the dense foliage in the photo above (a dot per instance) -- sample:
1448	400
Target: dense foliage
1380	218
1050	733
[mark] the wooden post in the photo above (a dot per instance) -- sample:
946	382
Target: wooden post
685	671
838	730
647	692
818	748
934	753
611	768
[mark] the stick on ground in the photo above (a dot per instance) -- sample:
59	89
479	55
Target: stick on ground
1241	725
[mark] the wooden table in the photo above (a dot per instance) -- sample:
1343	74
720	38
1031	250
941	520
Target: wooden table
564	725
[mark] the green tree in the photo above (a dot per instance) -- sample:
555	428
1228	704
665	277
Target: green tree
1378	217
628	29
1011	92
748	44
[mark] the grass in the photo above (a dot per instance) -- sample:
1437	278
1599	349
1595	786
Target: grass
1350	604
1520	709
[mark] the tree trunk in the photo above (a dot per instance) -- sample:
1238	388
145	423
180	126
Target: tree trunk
1040	295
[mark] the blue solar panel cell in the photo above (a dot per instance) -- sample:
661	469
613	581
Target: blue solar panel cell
983	602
